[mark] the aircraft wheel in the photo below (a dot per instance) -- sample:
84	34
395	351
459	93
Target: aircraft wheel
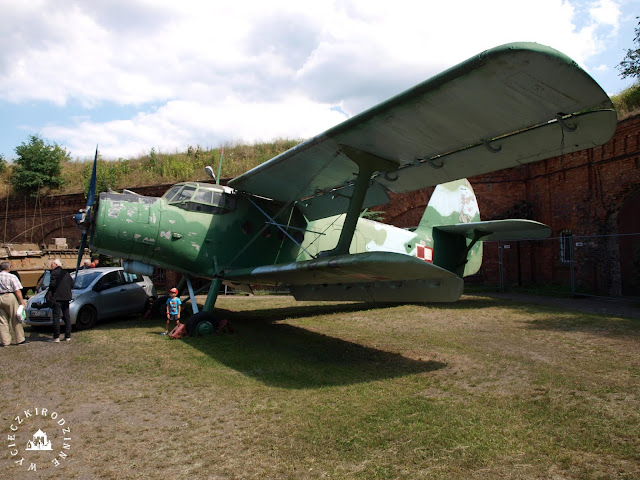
201	324
87	318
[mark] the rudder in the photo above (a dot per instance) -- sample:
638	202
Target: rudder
450	204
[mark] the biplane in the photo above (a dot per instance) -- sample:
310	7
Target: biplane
296	221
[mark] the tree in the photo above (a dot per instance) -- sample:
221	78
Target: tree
38	165
3	164
630	66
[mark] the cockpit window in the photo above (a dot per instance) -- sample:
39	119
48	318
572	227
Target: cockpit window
185	194
204	196
172	192
201	198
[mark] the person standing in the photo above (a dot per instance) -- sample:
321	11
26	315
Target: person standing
10	300
174	307
59	296
95	263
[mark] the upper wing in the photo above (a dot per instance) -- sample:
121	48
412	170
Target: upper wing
497	110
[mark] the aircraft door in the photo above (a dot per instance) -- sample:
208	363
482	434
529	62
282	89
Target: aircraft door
146	232
176	237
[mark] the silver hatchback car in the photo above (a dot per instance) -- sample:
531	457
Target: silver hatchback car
98	293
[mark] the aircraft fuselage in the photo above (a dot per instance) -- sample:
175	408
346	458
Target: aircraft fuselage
198	235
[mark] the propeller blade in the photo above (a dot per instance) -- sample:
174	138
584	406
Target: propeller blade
84	219
83	244
91	195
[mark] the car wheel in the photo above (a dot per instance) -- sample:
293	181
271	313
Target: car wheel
87	318
201	324
159	307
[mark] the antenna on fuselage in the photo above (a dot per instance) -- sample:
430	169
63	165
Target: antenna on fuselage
220	166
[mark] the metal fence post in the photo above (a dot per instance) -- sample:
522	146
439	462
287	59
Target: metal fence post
571	264
500	273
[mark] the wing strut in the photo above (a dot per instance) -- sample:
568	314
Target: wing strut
273	222
477	235
368	163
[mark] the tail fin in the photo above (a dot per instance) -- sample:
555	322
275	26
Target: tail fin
452	203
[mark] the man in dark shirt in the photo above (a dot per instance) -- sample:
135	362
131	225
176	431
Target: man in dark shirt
59	296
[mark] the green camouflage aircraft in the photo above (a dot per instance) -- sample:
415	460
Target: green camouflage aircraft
296	220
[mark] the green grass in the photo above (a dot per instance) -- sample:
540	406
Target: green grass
157	168
482	388
627	102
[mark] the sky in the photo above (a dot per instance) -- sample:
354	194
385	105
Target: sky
132	75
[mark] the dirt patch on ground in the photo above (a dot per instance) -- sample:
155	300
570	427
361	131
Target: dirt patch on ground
484	388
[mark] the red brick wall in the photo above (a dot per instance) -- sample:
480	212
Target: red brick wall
583	192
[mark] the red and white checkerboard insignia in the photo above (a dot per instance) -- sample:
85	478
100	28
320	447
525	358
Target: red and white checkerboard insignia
425	253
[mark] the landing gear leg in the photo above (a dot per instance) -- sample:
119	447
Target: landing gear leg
204	323
212	296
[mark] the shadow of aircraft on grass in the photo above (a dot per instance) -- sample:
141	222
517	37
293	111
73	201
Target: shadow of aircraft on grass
289	356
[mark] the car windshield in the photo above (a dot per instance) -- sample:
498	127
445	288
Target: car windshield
85	278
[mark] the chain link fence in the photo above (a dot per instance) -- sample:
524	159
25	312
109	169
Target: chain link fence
568	265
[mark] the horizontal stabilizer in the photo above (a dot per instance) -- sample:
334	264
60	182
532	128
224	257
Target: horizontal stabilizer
355	268
505	230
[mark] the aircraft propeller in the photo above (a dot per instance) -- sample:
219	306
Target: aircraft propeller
84	218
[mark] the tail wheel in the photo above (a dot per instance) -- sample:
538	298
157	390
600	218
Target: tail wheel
87	318
202	324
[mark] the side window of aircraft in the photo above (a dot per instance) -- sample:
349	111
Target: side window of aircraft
228	201
204	196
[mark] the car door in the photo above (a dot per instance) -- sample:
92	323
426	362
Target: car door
135	295
109	298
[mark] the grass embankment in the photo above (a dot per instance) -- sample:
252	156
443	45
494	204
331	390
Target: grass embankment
480	389
627	102
157	168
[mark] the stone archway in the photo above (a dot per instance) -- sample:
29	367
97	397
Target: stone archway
630	245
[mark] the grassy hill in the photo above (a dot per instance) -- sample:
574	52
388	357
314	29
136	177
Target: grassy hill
627	102
160	167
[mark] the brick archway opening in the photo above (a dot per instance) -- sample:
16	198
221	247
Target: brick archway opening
630	245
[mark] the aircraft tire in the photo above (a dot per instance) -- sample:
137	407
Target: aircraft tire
201	324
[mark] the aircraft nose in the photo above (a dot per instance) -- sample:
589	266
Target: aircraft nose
126	225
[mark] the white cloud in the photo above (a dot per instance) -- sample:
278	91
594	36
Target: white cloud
180	123
252	70
606	12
